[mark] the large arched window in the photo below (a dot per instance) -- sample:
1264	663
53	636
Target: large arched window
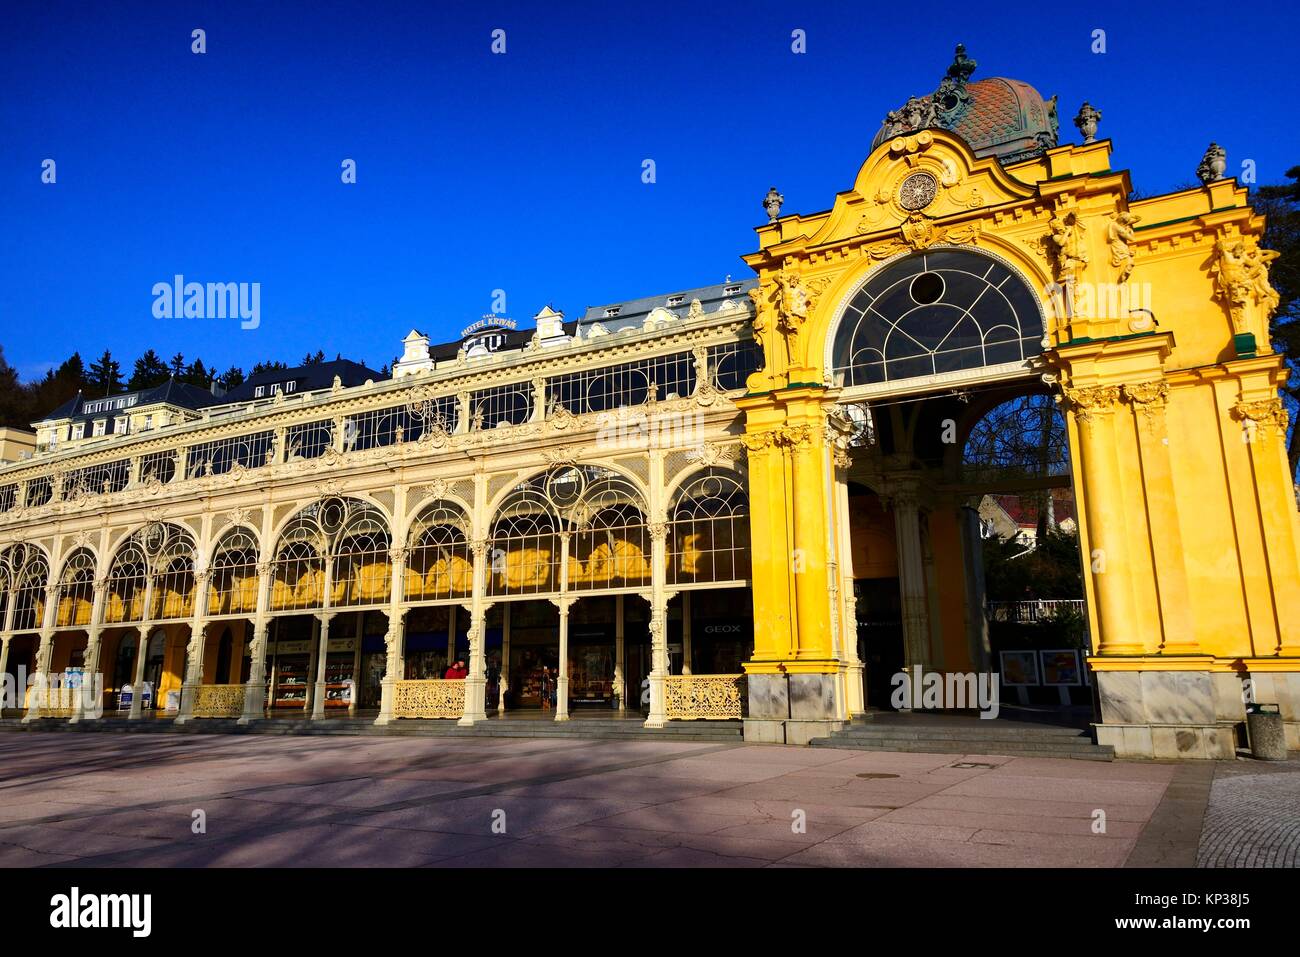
27	572
936	312
233	586
601	509
362	574
163	551
347	536
439	565
708	537
76	590
611	544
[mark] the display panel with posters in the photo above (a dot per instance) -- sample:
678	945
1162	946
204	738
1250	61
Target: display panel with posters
1019	668
1061	667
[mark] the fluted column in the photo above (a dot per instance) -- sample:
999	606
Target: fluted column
322	658
195	649
686	633
255	690
911	578
476	680
89	703
1104	509
658	624
137	684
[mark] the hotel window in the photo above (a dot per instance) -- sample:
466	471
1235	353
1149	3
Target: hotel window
676	300
259	392
290	386
100	426
612	311
79	430
148	423
121	425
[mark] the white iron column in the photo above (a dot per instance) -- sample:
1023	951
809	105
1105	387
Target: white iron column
255	690
505	658
451	635
686	633
322	658
658	625
89	703
137	686
394	667
476	681
620	654
195	649
562	682
848	612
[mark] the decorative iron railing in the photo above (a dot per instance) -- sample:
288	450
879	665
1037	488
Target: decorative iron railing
707	697
1035	610
219	701
430	698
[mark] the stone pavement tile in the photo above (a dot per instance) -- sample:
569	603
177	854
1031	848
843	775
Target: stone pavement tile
1000	784
743	824
824	813
357	792
43	842
620	784
136	823
1071	850
520	854
851	792
698	857
323	845
1035	823
782	754
884	832
477	815
1091	770
14	856
603	834
898	762
918	853
702	769
1025	807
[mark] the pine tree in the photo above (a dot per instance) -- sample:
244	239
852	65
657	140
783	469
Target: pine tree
232	377
149	371
105	374
178	365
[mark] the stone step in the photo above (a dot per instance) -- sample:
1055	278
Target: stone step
965	733
1085	753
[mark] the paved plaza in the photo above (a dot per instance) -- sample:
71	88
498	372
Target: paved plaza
120	799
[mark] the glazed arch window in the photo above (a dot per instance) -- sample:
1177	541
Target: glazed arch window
933	313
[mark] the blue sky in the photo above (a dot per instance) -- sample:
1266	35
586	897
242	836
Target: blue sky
520	172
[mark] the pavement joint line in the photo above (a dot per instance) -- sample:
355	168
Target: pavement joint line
345	815
1172	834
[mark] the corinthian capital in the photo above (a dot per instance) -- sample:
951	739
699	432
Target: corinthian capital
1093	400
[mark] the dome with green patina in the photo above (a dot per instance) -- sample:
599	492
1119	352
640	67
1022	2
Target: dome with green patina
997	116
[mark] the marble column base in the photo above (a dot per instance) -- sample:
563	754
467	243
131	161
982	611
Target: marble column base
792	709
1189	714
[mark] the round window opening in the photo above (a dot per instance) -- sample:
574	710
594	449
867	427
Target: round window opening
927	288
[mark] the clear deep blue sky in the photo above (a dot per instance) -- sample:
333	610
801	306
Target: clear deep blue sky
523	171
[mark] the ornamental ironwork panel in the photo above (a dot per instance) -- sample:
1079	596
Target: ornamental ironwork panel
430	698
704	697
219	701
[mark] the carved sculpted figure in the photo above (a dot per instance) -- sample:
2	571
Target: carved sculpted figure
1119	233
1241	275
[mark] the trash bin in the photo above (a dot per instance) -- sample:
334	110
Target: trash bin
1266	731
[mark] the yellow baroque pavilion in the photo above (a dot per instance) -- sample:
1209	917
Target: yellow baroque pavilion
698	494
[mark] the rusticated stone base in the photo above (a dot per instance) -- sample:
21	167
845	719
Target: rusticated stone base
792	709
1189	714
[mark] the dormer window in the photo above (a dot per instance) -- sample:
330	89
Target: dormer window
731	290
290	386
79	430
259	392
101	425
676	300
613	311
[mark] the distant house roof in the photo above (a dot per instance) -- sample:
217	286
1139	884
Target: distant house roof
171	392
308	378
621	315
513	339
